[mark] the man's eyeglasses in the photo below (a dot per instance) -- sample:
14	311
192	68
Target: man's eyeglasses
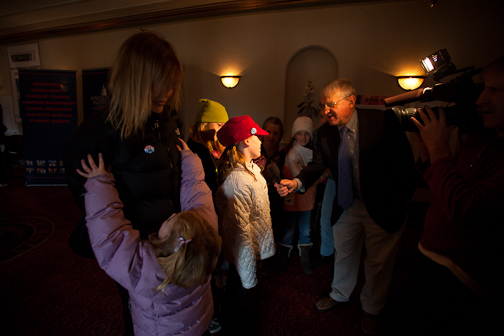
322	107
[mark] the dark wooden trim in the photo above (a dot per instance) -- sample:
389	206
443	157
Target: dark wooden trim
166	16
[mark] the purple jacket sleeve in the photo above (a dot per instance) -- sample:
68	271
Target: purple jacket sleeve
118	248
195	194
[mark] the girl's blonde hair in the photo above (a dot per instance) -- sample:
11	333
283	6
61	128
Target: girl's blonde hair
198	134
146	69
230	159
195	260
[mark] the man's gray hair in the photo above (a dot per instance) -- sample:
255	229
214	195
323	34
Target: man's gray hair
344	85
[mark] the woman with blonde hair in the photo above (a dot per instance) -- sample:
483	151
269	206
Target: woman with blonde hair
137	135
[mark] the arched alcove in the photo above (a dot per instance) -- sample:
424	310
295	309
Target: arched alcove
313	63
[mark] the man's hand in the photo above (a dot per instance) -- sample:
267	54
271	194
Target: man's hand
434	132
285	187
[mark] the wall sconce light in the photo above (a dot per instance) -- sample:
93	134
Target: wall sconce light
230	81
410	82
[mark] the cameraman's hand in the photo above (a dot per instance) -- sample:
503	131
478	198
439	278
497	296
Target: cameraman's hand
434	132
423	152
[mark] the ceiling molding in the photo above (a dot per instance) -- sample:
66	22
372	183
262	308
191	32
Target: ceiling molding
10	7
89	23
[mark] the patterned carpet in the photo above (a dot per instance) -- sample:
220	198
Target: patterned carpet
20	235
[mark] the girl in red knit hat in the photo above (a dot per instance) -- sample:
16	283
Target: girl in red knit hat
244	212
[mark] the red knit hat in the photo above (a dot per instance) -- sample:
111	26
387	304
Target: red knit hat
238	129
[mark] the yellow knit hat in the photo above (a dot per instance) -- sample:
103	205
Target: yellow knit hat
210	111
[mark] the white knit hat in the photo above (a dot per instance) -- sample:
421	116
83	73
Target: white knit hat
303	124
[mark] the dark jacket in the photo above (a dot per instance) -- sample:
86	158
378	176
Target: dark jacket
210	163
386	166
276	202
464	222
146	168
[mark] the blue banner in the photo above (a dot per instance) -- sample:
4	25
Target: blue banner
48	108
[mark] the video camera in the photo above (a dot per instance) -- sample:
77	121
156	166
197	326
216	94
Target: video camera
460	94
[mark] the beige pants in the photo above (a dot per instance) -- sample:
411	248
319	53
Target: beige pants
354	227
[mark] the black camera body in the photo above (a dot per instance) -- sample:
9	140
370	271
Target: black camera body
460	94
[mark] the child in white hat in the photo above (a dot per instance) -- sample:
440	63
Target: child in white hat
298	207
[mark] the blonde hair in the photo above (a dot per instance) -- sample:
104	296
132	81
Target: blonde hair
146	69
195	260
231	159
198	134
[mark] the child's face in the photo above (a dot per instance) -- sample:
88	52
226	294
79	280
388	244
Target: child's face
271	140
303	138
254	147
212	129
166	227
322	117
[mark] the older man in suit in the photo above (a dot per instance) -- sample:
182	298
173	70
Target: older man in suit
372	163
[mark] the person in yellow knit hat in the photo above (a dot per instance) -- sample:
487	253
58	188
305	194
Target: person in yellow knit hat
210	117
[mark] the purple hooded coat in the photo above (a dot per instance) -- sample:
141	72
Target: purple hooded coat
132	263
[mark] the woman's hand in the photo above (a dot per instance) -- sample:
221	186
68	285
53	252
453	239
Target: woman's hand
92	170
184	145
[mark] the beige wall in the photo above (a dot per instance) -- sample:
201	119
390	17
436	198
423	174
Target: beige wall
371	43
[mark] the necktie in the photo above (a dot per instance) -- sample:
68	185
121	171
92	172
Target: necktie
345	187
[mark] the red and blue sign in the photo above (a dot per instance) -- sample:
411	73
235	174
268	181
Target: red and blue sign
48	108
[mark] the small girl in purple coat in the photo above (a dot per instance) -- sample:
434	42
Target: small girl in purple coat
167	276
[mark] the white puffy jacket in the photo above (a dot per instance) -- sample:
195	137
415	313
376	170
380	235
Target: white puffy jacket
245	222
